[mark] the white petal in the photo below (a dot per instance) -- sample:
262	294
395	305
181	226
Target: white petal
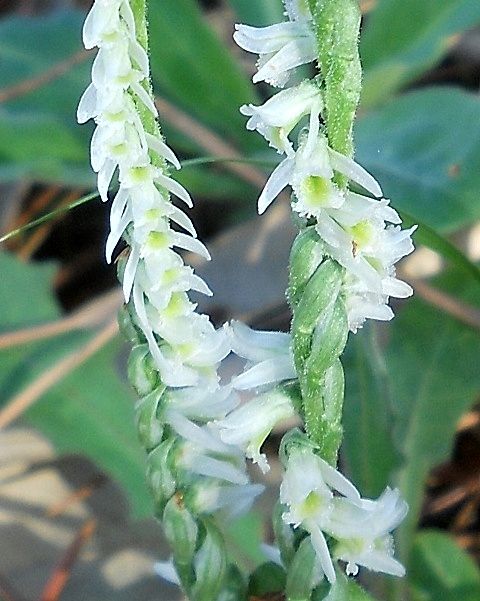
396	288
191	244
104	179
257	345
278	180
175	188
267	372
196	434
159	146
115	235
197	284
264	40
118	207
130	271
337	481
355	172
87	107
320	545
215	468
167	571
179	217
139	55
144	97
294	54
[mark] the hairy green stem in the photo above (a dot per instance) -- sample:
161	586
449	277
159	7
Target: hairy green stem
337	26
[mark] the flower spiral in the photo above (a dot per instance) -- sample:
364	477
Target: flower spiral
342	272
197	479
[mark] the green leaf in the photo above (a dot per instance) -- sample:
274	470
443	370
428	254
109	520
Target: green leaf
21	283
419	34
432	361
196	70
91	410
258	14
39	136
425	157
21	61
441	570
367	446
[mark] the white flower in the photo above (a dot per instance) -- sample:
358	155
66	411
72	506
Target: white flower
275	119
202	404
202	452
208	496
269	356
307	491
167	571
281	48
363	533
358	236
310	172
249	425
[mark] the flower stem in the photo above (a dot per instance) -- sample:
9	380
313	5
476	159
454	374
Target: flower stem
337	26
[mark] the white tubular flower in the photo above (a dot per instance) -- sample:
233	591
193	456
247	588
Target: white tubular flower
249	425
281	47
202	452
208	496
275	119
307	492
363	533
310	173
203	405
269	357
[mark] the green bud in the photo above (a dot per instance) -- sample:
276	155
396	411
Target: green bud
159	475
293	441
210	564
267	579
235	586
328	341
284	535
304	573
317	301
181	531
305	258
149	427
127	326
141	370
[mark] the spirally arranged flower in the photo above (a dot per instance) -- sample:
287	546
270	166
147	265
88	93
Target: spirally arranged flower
185	346
360	232
356	228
